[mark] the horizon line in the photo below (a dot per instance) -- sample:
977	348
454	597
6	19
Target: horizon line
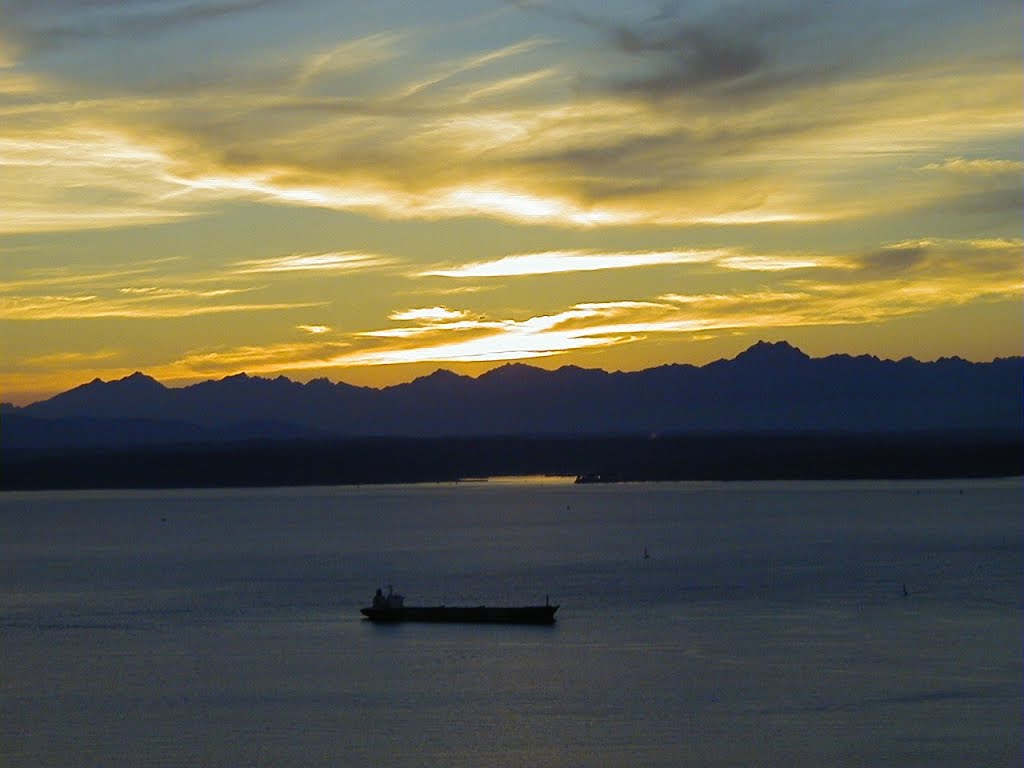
194	381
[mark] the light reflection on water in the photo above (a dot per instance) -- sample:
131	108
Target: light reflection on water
768	625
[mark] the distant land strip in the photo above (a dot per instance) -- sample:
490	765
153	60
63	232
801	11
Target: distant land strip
772	412
693	457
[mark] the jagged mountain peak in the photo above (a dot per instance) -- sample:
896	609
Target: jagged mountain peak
136	379
512	372
436	380
441	374
772	352
138	376
135	382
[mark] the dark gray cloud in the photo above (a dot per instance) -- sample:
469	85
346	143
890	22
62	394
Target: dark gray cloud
895	259
43	26
676	50
698	54
922	259
749	49
686	54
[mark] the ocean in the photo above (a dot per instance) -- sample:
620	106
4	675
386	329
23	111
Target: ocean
771	624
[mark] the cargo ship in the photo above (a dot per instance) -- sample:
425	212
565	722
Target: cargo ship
392	608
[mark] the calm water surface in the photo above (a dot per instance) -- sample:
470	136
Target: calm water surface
767	627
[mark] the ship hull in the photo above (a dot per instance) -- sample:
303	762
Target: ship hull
532	614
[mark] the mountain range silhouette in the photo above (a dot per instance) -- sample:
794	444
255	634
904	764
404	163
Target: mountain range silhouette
769	389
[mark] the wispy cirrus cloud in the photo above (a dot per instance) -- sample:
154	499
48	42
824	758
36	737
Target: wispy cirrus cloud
164	288
253	359
599	162
72	178
351	56
555	262
49	277
451	336
427	314
846	300
158	292
701	116
977	166
145	289
591	325
602	162
338	261
898	280
506	85
774	262
551	262
91	306
77	358
448	70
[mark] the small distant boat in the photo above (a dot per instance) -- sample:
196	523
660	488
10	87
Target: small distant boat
392	608
598	477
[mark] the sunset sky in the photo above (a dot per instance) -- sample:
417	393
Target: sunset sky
370	191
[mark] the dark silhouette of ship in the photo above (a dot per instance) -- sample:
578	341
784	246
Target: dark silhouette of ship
392	608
